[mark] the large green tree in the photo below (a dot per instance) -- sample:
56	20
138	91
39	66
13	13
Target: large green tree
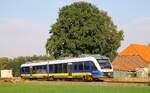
82	28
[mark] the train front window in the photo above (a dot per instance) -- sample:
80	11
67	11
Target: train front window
104	63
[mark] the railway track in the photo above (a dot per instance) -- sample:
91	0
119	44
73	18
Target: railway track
95	83
101	81
128	80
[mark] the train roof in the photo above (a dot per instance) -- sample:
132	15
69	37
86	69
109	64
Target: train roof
80	58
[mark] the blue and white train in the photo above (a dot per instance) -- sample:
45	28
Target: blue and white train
85	68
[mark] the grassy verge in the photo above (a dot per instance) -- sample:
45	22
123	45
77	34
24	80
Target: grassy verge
56	87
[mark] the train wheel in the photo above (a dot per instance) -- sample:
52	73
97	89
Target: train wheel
51	78
83	78
89	78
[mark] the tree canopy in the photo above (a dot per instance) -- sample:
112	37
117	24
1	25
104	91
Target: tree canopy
82	28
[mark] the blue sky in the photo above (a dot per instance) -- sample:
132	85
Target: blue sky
24	24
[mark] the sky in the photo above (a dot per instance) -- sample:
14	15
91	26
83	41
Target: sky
24	24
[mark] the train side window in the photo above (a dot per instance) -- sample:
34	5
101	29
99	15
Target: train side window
50	68
33	69
25	70
64	70
86	65
56	68
80	66
59	68
75	66
93	66
39	69
43	69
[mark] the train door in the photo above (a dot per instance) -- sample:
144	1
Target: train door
30	71
69	69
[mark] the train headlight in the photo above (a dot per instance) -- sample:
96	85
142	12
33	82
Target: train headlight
110	74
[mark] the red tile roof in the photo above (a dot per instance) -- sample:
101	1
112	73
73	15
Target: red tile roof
128	63
135	49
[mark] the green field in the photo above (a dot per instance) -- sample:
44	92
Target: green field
70	88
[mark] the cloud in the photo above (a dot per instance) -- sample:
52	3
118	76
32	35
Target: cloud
137	31
22	37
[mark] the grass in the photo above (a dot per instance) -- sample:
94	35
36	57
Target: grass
63	87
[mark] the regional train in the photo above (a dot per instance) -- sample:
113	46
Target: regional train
85	68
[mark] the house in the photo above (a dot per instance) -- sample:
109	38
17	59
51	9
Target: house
129	62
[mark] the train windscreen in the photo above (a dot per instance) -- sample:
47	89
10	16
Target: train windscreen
104	63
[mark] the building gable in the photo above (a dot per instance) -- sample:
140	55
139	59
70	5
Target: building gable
137	50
